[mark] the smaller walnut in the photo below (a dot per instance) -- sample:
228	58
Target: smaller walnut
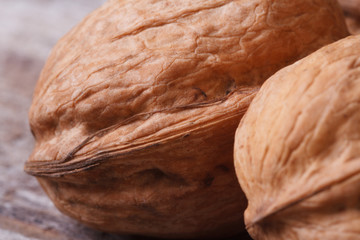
297	149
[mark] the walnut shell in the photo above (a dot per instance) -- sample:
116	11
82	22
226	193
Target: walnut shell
136	109
297	149
351	6
352	14
353	24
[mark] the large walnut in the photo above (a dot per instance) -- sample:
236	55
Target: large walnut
136	109
297	149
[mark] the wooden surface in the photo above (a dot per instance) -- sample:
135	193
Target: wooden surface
28	30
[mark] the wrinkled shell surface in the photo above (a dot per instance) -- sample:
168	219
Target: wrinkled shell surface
297	149
136	109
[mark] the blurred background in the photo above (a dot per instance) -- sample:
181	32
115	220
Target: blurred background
28	31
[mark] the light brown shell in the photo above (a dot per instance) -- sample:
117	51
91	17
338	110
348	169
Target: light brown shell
352	14
297	149
353	24
351	6
136	109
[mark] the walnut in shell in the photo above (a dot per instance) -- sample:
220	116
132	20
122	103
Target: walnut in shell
352	14
297	149
136	109
351	6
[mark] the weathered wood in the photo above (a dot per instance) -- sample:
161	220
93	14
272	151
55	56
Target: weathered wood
28	30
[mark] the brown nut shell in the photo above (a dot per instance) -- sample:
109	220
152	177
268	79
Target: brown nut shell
297	149
351	6
136	109
352	14
353	24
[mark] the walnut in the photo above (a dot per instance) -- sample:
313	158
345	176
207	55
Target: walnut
352	14
351	6
297	149
136	109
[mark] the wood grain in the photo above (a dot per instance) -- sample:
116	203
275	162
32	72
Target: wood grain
28	30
